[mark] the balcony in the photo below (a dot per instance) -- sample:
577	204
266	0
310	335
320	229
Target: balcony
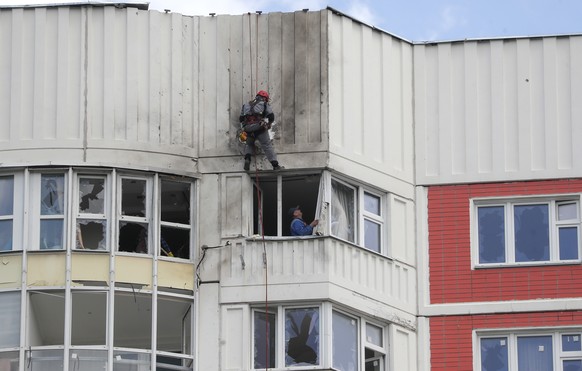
316	268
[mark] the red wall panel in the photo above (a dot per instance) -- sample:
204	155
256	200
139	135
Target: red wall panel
451	338
450	274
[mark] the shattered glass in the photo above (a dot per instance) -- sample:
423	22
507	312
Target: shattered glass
133	237
52	194
301	337
91	196
133	197
91	234
175	203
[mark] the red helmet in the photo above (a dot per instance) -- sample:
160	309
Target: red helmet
263	94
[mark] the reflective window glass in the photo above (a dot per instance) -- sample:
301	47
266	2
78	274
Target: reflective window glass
344	342
264	340
491	221
535	353
568	243
494	354
532	241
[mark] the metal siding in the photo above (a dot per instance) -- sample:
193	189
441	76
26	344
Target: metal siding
497	110
370	100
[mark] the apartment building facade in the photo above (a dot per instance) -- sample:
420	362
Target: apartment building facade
134	240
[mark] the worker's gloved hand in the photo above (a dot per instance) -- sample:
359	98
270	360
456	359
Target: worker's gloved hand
265	123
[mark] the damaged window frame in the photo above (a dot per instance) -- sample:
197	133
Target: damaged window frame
370	341
280	192
82	240
166	247
129	215
507	239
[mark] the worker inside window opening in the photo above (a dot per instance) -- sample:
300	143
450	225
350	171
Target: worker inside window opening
298	226
256	118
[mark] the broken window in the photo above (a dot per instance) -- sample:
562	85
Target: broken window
132	320
273	196
527	232
301	336
91	215
52	211
264	335
133	221
6	212
89	318
175	206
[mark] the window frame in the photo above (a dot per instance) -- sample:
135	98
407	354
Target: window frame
147	219
161	224
35	211
508	204
361	214
17	215
106	216
326	312
512	336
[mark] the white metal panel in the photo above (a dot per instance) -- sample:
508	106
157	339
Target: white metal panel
402	349
304	269
235	347
370	98
495	110
401	230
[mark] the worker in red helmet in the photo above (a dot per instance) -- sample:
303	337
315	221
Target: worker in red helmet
256	118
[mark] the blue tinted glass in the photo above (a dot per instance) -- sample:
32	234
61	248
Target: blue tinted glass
264	336
568	243
571	343
344	342
532	242
51	234
52	194
5	235
372	235
6	195
535	353
573	365
491	220
494	354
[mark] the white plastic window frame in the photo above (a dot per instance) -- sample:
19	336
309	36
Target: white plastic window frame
160	223
361	214
105	216
367	344
34	200
17	216
508	204
279	311
147	219
558	354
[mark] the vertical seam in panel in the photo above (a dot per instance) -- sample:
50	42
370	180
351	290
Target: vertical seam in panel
85	71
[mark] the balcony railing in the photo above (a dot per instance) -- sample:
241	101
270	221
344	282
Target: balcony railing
326	265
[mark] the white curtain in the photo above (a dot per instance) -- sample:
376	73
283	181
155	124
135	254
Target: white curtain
342	211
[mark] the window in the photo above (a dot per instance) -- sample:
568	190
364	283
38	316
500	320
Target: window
298	330
527	232
292	337
10	319
175	219
6	212
92	213
531	351
274	196
49	205
134	214
133	320
357	215
46	323
346	343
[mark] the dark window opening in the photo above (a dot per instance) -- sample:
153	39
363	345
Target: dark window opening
133	237
302	190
